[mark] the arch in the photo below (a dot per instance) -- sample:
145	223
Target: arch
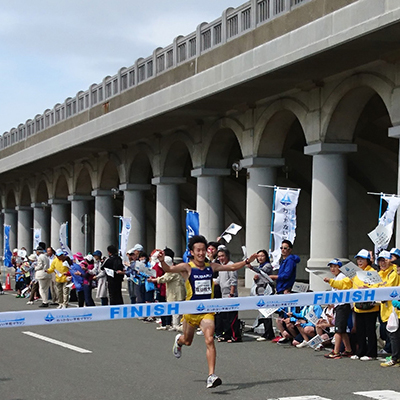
142	152
344	105
10	199
61	189
42	192
222	125
83	184
272	127
109	177
25	196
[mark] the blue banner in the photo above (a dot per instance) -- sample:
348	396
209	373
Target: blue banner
192	229
7	251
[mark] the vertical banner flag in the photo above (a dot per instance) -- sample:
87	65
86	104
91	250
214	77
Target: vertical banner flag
63	240
7	250
382	234
37	237
192	229
284	216
125	231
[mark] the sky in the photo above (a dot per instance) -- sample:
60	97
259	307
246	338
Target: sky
52	49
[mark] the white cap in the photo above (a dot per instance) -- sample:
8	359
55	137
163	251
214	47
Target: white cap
168	261
136	247
384	254
363	254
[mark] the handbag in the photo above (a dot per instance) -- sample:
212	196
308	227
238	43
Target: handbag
368	305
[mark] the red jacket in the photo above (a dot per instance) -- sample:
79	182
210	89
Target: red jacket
161	286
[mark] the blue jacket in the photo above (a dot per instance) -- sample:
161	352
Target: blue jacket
304	311
77	279
287	273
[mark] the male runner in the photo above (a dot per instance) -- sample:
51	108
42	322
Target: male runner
199	286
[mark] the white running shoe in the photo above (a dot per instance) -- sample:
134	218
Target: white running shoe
302	344
176	349
29	303
355	357
366	358
213	381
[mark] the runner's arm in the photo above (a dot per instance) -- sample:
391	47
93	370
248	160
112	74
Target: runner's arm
234	266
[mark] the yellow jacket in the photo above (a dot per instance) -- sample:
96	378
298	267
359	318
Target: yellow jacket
57	265
390	278
355	283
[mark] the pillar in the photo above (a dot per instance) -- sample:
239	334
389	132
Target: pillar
260	171
105	232
328	206
41	220
210	200
79	238
25	227
168	214
60	213
10	218
134	207
394	132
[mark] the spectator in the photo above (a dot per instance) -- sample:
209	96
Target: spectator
44	279
34	282
115	275
101	278
60	269
263	286
287	269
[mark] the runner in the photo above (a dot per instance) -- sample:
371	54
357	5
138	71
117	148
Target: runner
199	286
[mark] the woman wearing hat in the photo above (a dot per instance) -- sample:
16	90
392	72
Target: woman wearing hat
366	314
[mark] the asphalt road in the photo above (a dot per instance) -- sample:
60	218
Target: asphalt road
131	359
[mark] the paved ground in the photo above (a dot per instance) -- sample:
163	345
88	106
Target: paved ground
131	359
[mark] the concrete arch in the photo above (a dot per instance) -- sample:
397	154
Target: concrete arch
176	150
61	187
343	106
222	125
42	192
10	198
271	129
108	175
83	183
25	195
142	152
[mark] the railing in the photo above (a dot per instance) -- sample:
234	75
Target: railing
208	36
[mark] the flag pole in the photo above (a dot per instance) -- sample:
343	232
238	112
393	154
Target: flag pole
272	220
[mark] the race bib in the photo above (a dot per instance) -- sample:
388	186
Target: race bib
202	287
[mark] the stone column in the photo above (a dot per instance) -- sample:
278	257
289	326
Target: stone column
328	206
60	213
168	214
41	220
80	206
260	171
25	227
134	207
394	132
10	218
210	200
105	232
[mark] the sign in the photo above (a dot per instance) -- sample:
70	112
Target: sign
299	287
125	231
192	229
7	250
63	240
285	223
369	277
37	237
350	270
381	236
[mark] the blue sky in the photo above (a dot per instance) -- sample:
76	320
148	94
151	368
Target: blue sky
51	49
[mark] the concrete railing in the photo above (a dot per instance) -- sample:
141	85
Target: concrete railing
208	36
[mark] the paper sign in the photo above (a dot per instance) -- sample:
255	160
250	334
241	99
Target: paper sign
233	229
70	285
350	270
299	287
265	276
227	237
315	341
266	312
311	317
381	236
319	274
109	272
59	274
369	277
244	250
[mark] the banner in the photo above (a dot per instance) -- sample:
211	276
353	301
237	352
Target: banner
124	235
284	216
37	237
107	313
63	240
7	250
192	229
382	234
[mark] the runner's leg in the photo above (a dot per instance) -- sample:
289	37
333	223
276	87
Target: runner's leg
208	327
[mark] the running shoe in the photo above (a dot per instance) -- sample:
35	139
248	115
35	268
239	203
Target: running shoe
389	363
333	355
176	349
366	358
261	339
347	354
302	344
355	357
276	339
283	341
213	381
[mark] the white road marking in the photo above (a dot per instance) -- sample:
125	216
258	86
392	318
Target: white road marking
380	394
301	398
57	342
